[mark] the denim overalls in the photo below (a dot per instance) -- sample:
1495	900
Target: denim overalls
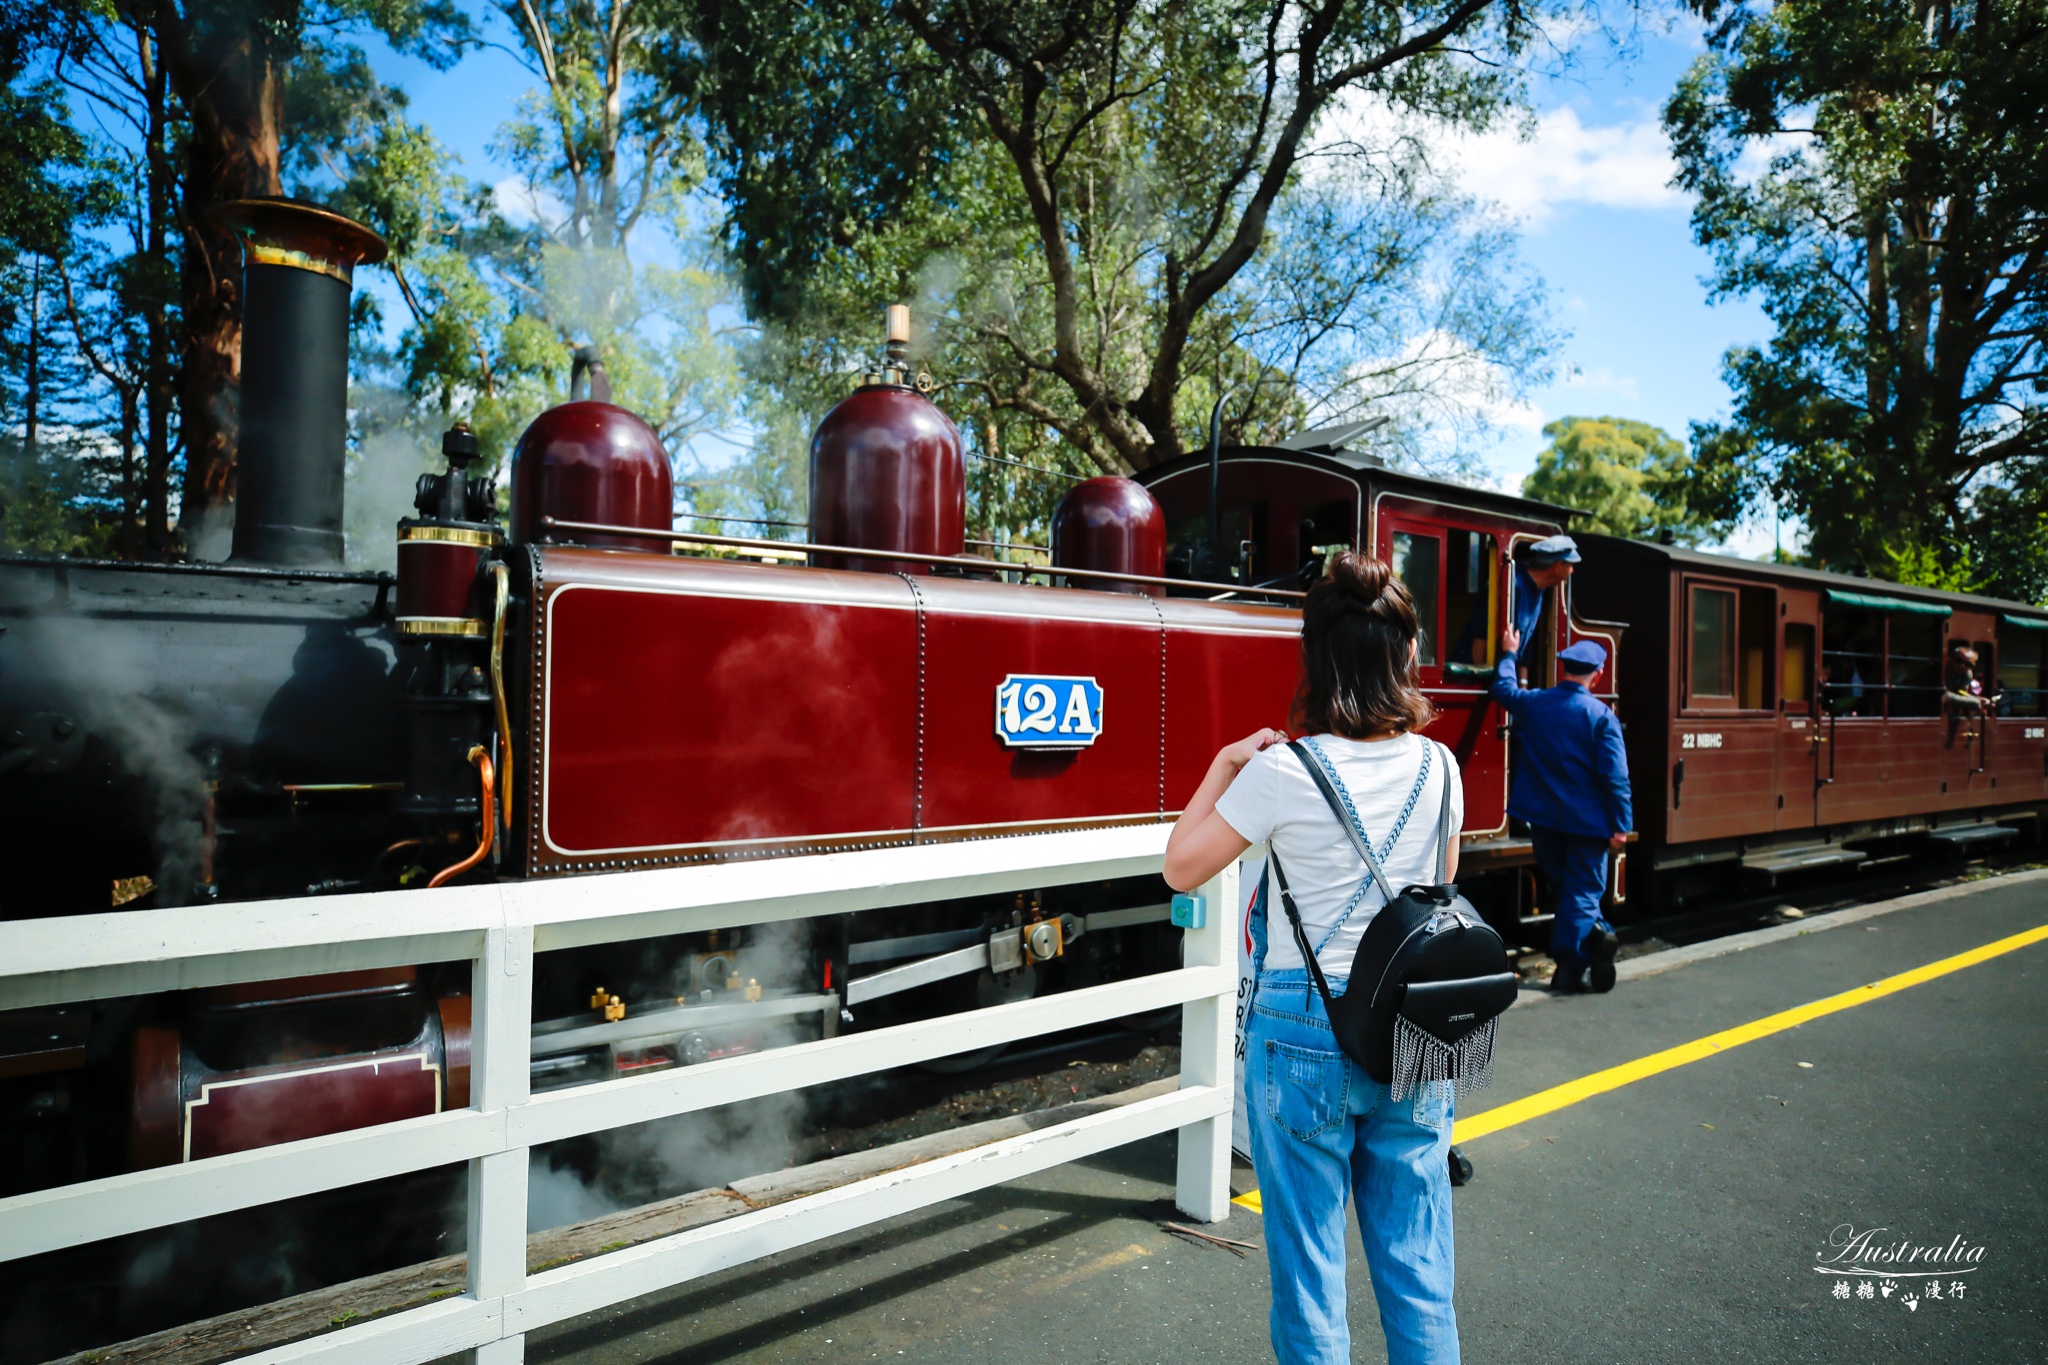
1321	1128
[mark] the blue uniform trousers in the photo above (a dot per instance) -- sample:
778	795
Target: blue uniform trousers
1577	868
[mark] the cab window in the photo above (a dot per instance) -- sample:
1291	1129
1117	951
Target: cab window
1417	563
1471	579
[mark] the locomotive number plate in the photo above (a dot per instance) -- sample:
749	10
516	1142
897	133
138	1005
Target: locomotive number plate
1041	712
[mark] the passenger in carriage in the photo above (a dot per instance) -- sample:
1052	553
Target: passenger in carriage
1963	690
1539	568
1571	785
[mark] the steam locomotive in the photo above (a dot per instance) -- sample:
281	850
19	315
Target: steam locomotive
563	694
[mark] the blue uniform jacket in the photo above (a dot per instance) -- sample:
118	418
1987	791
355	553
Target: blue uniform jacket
1573	773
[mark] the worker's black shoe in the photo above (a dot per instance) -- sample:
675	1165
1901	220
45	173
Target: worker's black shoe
1568	981
1461	1167
1600	946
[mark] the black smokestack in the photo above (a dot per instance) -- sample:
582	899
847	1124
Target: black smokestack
297	263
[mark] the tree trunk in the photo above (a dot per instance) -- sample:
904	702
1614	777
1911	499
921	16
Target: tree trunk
228	79
156	322
130	493
32	385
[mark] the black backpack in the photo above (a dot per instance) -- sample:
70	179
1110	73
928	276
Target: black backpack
1430	980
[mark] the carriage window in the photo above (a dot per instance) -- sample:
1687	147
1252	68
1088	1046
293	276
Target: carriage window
1852	662
2019	673
1798	671
1915	673
1416	564
1713	647
1473	565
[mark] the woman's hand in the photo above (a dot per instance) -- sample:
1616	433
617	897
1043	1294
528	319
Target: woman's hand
1251	746
1203	843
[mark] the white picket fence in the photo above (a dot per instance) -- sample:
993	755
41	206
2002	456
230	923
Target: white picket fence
499	929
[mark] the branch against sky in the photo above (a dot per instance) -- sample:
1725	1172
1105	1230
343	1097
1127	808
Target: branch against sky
1149	154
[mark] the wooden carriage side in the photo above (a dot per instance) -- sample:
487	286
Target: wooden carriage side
1777	716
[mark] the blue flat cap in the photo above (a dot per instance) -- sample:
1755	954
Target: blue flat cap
1589	655
1553	550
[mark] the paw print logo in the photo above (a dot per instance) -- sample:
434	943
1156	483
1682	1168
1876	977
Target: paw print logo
1911	1302
1885	1287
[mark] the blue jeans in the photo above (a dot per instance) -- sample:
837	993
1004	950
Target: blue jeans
1323	1130
1577	868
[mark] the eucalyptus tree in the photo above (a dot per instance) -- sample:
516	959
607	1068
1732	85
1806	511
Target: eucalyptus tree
1874	172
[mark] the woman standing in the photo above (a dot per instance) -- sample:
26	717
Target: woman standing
1321	1128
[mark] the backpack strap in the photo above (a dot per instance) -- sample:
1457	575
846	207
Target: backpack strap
1344	817
1315	968
1444	832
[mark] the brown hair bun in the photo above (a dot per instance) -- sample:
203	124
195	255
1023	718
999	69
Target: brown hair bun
1358	631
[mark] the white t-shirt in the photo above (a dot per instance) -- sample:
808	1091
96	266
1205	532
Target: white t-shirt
1274	801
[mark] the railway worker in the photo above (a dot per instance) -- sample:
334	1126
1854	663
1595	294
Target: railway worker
1541	567
1322	1129
1571	785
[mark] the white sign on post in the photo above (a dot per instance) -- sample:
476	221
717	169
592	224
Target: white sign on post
1251	875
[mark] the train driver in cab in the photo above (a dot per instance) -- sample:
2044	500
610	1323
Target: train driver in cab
1571	785
1539	568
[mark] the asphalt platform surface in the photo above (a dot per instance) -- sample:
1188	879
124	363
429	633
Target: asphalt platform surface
1679	1218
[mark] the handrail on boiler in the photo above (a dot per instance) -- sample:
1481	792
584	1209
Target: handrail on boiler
954	561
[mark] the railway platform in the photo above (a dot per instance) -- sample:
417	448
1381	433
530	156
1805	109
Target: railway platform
1669	1173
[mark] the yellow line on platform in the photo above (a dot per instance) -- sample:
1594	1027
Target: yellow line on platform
1614	1077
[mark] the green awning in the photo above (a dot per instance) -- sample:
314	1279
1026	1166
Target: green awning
1867	602
2025	622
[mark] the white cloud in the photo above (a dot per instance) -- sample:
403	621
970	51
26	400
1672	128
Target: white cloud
1530	170
1623	166
522	204
1600	379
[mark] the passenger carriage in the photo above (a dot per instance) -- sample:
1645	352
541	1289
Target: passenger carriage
1782	719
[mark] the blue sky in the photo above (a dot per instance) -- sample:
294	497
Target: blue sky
1588	191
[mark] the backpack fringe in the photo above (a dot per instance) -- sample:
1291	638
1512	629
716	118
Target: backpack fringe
1420	1059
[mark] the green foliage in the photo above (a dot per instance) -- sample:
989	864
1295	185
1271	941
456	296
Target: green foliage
1894	236
1925	566
2011	545
496	301
1630	476
50	498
